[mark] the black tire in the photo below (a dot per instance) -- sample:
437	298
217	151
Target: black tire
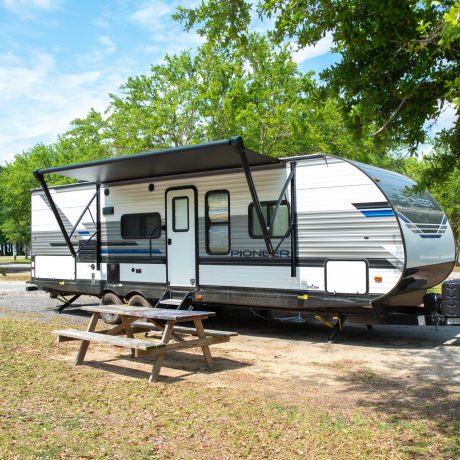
139	301
110	298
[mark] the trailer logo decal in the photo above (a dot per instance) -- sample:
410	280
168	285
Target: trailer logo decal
257	253
425	230
415	201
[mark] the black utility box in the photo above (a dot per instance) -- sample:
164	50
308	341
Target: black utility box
113	273
451	298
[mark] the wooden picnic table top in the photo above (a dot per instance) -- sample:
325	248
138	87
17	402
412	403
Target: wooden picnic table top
149	313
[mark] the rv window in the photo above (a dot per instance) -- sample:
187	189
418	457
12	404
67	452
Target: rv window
280	225
217	205
180	214
141	226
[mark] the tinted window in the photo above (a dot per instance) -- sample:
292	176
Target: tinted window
280	225
217	222
141	226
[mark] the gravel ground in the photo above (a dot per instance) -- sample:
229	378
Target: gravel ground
299	352
14	299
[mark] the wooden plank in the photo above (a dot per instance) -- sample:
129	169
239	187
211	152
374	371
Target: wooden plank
62	338
195	343
128	332
159	360
85	344
204	348
124	342
153	326
157	313
139	324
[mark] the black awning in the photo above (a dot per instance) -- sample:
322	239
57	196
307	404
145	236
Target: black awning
211	156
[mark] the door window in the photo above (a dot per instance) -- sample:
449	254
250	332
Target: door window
180	214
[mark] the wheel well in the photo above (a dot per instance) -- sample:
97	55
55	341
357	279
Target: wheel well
108	291
133	293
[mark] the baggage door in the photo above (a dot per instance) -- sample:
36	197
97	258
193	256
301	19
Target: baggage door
181	236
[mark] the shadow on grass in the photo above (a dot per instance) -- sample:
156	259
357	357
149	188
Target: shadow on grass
381	336
426	399
186	363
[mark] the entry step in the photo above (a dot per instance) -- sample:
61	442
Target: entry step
171	302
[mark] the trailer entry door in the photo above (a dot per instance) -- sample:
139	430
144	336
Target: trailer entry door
181	236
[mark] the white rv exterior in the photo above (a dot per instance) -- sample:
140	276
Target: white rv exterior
356	243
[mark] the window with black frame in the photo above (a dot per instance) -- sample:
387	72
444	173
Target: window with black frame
217	204
141	226
280	225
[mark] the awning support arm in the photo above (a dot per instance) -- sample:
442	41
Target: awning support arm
83	213
280	199
238	143
293	222
52	204
98	227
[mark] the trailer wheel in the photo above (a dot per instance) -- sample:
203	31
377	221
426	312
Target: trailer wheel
111	299
139	301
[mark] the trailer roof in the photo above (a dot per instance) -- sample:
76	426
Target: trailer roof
224	154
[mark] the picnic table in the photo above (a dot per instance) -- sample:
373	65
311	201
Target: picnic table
164	324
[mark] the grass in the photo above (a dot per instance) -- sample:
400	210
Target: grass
15	277
10	260
52	410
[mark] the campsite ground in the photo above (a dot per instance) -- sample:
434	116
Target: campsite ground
277	391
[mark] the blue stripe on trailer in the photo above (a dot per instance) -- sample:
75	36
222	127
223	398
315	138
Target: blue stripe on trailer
378	213
84	232
404	218
430	235
129	251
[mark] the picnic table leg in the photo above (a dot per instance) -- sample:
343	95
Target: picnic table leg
205	348
128	332
160	357
85	343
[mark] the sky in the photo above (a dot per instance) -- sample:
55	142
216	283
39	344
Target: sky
60	58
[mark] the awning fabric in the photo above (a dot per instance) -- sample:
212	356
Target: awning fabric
211	156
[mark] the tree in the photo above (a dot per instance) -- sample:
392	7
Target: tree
399	65
16	182
255	90
157	110
217	92
84	141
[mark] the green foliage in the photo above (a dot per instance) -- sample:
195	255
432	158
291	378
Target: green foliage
399	63
82	142
255	90
158	110
16	181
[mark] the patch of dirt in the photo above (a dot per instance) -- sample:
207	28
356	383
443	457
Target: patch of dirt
402	371
398	367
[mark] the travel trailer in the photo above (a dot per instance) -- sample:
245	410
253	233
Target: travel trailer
217	224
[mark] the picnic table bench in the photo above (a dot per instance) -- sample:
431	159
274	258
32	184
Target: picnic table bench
160	323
